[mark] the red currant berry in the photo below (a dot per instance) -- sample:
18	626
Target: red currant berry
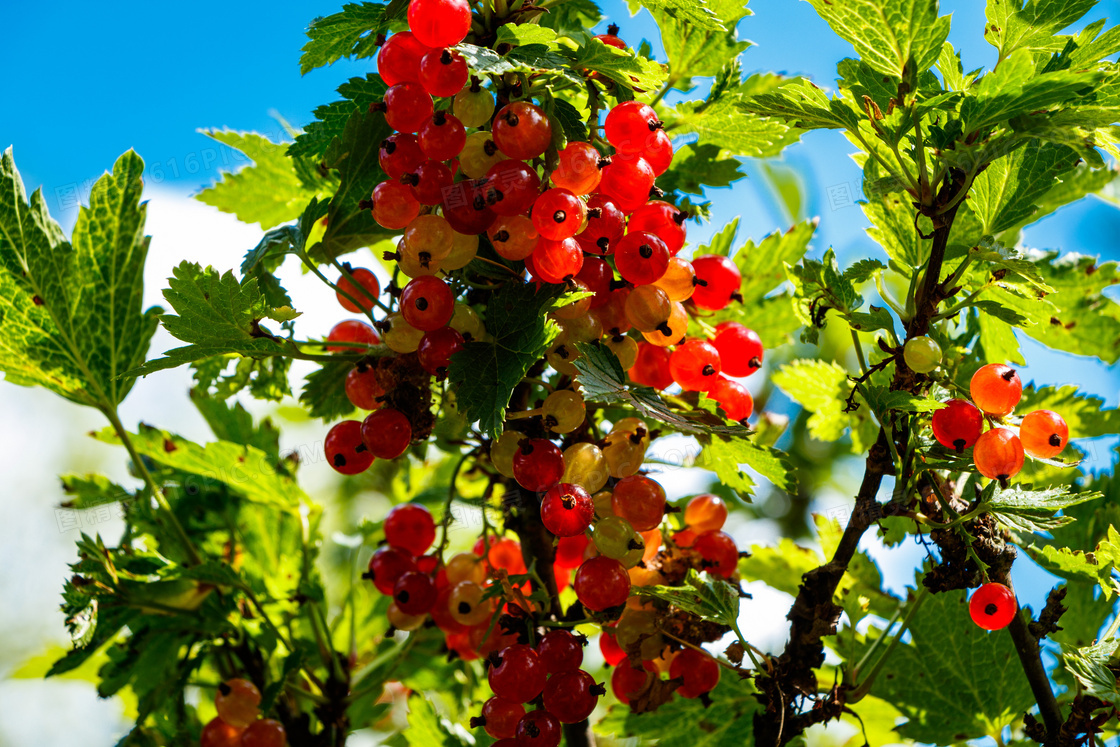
394	205
443	72
601	583
570	551
415	593
629	125
465	207
521	130
996	389
500	717
1044	434
363	388
427	303
407	106
993	606
612	314
511	187
695	365
611	38
627	681
718	279
265	733
998	454
441	611
238	702
733	397
571	696
700	673
957	425
354	331
400	154
641	258
605	226
505	555
560	651
627	182
640	501
652	367
387	434
344	448
596	275
663	220
410	526
399	58
567	510
218	733
538	729
518	674
558	214
740	349
538	464
436	349
442	136
579	170
366	280
386	567
555	261
429	182
658	152
439	23
613	654
719	553
705	513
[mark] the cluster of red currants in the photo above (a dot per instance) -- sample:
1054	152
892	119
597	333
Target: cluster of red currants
239	722
998	453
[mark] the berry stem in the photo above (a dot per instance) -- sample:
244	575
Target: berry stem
864	687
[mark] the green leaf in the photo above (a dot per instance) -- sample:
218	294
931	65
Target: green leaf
702	595
330	119
727	125
686	722
1033	510
696	166
622	66
1091	666
698	47
71	318
233	423
350	33
780	566
602	379
1011	26
324	391
1005	194
997	338
953	681
89	491
892	227
245	469
821	388
1085	414
217	316
689	12
763	265
882	400
485	373
724	456
269	192
570	118
1097	565
894	37
520	34
803	105
425	728
720	243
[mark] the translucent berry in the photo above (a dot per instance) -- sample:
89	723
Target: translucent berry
218	733
719	552
658	152
474	106
345	451
394	205
993	606
567	510
734	398
517	674
718	280
578	169
652	367
560	651
402	337
613	654
605	226
679	280
364	292
627	681
505	554
442	136
407	107
705	513
465	207
436	349
627	182
555	261
601	583
629	126
512	187
585	465
410	526
957	425
563	411
641	257
625	349
439	23
500	717
538	464
521	130
740	349
479	154
922	354
266	732
571	696
625	453
400	154
514	237
558	214
467	604
428	237
996	389
570	551
401	620
443	72
387	433
238	702
663	220
695	365
387	565
429	182
441	612
427	303
503	450
639	500
700	673
351	331
465	566
614	537
415	593
998	454
398	61
1044	434
538	728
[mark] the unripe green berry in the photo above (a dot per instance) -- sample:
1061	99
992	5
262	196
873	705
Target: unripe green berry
473	108
615	538
922	354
